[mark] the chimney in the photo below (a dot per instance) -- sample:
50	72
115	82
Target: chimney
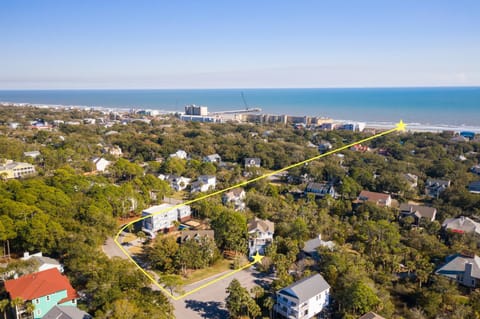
468	270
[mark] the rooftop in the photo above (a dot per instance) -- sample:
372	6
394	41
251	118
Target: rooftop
40	284
306	288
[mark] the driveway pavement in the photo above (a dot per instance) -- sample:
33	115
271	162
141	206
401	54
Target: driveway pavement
112	250
209	302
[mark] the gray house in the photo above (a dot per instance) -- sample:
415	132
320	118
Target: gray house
434	187
474	187
417	212
463	269
304	299
66	312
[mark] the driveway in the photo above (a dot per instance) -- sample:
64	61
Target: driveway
209	302
111	249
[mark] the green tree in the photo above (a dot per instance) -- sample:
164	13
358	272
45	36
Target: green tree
172	282
230	231
4	303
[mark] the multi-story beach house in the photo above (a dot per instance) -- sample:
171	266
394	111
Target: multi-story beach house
434	187
204	183
463	269
236	197
163	218
10	169
304	299
260	235
44	289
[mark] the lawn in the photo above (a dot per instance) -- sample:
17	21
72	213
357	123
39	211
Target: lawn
219	267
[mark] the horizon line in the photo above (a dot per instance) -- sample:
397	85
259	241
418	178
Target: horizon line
246	88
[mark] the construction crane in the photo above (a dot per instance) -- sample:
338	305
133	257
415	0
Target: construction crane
244	102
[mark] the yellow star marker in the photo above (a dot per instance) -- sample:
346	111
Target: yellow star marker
401	126
257	258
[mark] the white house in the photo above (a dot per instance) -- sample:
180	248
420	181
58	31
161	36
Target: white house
179	154
204	183
43	262
236	196
101	164
252	162
32	154
163	217
304	299
213	158
178	183
260	233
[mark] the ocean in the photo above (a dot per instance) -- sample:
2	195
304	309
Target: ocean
439	106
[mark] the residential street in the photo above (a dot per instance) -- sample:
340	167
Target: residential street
209	302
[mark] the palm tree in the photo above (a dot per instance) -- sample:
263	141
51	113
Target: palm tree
30	308
15	302
3	307
269	303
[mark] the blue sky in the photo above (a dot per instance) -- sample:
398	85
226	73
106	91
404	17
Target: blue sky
238	44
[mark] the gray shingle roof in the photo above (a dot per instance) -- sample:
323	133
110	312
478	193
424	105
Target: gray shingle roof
306	288
371	315
66	312
423	211
457	265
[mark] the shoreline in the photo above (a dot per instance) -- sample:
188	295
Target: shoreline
411	127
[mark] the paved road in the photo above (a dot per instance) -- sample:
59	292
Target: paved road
209	302
112	250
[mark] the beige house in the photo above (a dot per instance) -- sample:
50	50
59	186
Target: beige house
11	169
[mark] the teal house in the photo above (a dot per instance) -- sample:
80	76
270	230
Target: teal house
40	291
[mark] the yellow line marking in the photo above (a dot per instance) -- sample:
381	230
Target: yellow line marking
400	126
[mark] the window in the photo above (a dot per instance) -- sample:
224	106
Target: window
37	301
39	312
306	312
48	298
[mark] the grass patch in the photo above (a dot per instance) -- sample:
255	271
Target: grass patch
135	250
197	275
129	237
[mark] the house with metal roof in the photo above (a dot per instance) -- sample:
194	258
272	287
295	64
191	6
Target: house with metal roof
303	299
44	289
463	269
